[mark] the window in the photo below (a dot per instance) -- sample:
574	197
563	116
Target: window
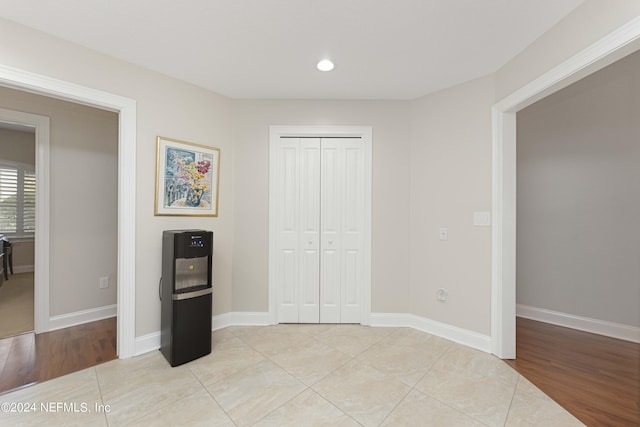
17	199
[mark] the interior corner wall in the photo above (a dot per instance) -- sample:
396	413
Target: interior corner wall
390	199
587	24
450	180
578	206
83	215
165	107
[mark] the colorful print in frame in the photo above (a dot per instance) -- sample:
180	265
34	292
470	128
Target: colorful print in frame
186	178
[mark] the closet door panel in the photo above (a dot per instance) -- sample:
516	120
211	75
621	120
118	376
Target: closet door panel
351	265
352	230
287	263
330	224
331	191
330	287
309	230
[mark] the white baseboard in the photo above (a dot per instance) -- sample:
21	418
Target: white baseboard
147	343
150	342
240	318
17	269
220	321
80	317
594	326
452	333
243	318
397	320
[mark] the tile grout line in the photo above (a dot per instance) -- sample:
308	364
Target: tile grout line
95	373
275	409
332	404
396	406
211	395
413	387
515	388
336	368
447	350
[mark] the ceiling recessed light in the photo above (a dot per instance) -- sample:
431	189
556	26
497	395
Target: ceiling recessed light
325	65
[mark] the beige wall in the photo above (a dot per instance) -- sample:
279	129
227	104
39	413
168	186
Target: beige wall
578	201
390	201
83	191
590	22
23	253
166	107
18	146
450	179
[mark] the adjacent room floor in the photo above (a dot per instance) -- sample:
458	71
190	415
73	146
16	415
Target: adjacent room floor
293	375
596	378
29	358
16	305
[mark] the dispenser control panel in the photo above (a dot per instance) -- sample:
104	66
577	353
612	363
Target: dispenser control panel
196	242
191	243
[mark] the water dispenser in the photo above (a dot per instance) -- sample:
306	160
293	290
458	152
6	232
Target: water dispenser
186	295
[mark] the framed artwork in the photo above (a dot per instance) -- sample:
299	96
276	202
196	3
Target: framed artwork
186	178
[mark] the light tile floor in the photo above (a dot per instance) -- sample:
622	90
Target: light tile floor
296	375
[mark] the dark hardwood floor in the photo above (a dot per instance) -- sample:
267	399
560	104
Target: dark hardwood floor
594	377
29	358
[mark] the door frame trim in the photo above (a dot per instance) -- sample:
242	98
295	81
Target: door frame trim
610	48
126	108
363	132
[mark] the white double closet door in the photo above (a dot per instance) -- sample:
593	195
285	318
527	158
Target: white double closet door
320	197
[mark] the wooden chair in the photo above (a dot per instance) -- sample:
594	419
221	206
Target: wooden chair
7	259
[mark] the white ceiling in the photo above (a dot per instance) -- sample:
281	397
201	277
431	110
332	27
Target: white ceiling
383	49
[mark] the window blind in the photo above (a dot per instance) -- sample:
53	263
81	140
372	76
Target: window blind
17	199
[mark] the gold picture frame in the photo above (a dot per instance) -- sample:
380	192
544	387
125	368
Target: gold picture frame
187	177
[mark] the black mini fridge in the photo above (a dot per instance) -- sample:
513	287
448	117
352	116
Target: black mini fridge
185	295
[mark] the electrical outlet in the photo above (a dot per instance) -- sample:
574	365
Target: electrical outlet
444	233
442	294
104	282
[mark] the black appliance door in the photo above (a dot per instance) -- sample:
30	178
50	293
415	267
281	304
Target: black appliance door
191	328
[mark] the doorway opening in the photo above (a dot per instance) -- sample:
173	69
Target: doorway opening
39	125
126	109
618	44
17	228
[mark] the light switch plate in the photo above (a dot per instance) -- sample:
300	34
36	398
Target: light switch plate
104	282
482	219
